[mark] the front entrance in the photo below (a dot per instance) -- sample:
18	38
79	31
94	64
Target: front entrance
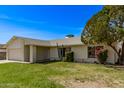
62	52
36	53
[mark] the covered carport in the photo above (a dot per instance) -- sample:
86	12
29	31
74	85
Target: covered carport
2	51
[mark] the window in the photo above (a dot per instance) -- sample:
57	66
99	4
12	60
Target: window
93	51
62	52
98	49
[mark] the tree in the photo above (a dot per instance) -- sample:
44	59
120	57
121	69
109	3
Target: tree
107	27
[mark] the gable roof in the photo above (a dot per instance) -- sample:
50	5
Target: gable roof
60	42
2	46
66	41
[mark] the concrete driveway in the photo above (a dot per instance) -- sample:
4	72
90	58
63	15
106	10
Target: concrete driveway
11	61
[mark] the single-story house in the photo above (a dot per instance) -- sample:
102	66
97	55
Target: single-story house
2	51
34	50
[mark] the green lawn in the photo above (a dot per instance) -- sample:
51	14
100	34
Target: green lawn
59	74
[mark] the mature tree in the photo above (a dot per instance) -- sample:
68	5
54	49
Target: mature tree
107	27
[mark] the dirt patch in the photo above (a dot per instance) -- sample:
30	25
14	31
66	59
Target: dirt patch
75	83
83	84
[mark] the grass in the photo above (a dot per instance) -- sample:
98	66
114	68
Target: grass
59	74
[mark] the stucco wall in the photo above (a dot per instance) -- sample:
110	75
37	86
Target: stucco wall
112	56
15	50
54	53
42	53
81	53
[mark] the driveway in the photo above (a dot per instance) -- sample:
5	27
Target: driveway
11	61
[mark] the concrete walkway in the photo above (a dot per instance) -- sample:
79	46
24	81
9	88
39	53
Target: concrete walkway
11	61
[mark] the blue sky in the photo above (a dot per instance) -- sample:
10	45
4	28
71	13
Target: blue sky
44	22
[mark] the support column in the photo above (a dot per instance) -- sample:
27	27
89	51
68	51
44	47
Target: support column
32	53
7	55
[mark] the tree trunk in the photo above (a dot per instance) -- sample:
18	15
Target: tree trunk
118	53
122	54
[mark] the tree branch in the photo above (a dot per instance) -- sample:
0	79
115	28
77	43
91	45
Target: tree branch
113	47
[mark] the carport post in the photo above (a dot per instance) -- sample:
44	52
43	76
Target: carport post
31	53
7	56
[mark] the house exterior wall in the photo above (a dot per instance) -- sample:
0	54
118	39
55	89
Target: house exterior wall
19	49
81	53
54	53
112	56
2	50
15	50
42	53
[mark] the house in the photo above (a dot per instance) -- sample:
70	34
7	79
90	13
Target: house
2	51
33	50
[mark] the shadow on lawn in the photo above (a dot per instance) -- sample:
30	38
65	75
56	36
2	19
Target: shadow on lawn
118	67
46	62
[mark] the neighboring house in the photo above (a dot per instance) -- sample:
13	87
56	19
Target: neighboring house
33	50
2	51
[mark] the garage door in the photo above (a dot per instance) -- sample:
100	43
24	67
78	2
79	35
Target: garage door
14	54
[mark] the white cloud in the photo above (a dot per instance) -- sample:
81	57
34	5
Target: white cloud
6	17
30	21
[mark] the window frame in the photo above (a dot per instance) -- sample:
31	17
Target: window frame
95	53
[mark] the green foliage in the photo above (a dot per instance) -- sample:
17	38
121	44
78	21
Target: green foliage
102	56
106	27
69	57
99	28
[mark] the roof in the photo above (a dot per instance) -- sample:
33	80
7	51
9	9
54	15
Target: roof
60	42
2	46
67	41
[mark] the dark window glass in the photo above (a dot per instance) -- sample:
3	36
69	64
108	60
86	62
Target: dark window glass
62	52
91	52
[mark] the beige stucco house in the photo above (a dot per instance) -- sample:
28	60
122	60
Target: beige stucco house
33	50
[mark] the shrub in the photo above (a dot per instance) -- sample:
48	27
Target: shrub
69	57
102	56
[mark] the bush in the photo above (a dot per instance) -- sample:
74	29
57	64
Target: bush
102	56
69	57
